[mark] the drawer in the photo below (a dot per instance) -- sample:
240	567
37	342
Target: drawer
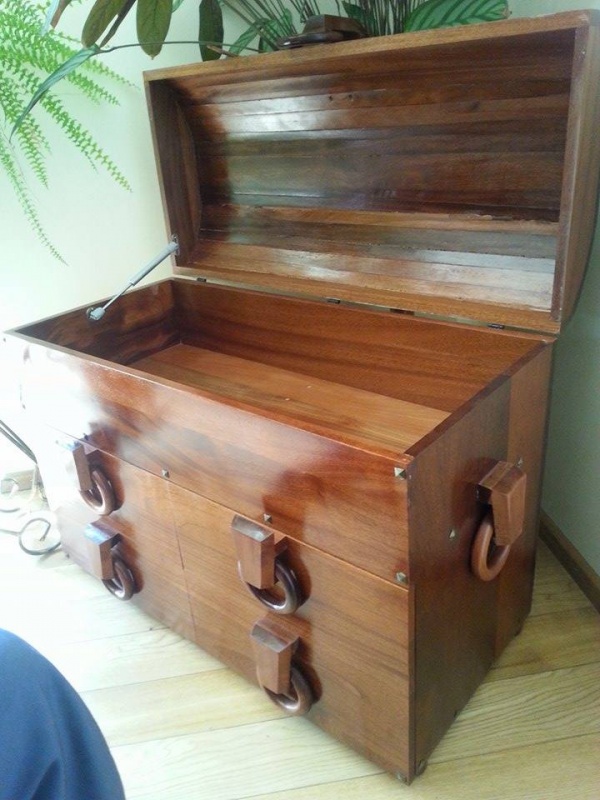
325	491
352	627
147	541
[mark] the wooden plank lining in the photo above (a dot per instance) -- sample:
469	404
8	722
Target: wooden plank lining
334	409
532	290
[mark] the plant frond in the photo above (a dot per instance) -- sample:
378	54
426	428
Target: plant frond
21	190
27	55
378	17
32	141
82	138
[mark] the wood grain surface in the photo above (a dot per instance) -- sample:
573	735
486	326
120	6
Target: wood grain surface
377	127
353	630
143	523
357	416
132	671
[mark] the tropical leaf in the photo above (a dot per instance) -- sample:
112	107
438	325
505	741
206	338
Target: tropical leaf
54	13
446	13
357	13
210	28
242	42
273	29
51	12
153	20
100	17
70	65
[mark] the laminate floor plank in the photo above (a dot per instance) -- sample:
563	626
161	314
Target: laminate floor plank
562	770
235	763
129	659
525	711
551	641
555	590
184	728
172	707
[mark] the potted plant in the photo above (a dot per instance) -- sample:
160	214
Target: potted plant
268	21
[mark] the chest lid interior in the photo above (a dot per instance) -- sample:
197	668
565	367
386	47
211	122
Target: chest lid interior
450	172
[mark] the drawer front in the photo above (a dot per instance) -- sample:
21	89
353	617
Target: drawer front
353	631
143	521
339	498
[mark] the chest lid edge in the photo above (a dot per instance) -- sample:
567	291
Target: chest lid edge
393	171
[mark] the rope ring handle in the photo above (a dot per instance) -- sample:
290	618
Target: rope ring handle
101	497
291	599
300	698
487	559
122	584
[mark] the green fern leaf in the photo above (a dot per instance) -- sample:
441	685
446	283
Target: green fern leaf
26	57
62	72
20	188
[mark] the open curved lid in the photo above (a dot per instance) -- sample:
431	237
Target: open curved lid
450	172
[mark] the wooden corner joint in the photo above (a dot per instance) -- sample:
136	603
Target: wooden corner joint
504	489
257	548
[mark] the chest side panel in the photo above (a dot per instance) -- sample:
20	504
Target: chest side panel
461	621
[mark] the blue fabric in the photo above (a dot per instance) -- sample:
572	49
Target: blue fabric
50	745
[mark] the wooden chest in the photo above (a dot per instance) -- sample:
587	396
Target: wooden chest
318	454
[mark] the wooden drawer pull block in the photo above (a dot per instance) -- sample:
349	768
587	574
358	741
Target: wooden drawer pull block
106	564
93	485
503	489
282	680
261	567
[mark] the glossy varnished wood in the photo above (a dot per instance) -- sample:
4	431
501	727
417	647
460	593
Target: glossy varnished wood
376	128
455	612
415	360
320	456
141	323
142	524
462	623
579	192
353	415
528	414
350	625
314	486
433	364
387	171
222	740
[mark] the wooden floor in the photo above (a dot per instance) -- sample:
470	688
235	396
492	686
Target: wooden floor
181	727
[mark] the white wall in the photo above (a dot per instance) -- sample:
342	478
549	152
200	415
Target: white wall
106	234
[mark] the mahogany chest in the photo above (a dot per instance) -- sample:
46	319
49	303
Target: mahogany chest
317	453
